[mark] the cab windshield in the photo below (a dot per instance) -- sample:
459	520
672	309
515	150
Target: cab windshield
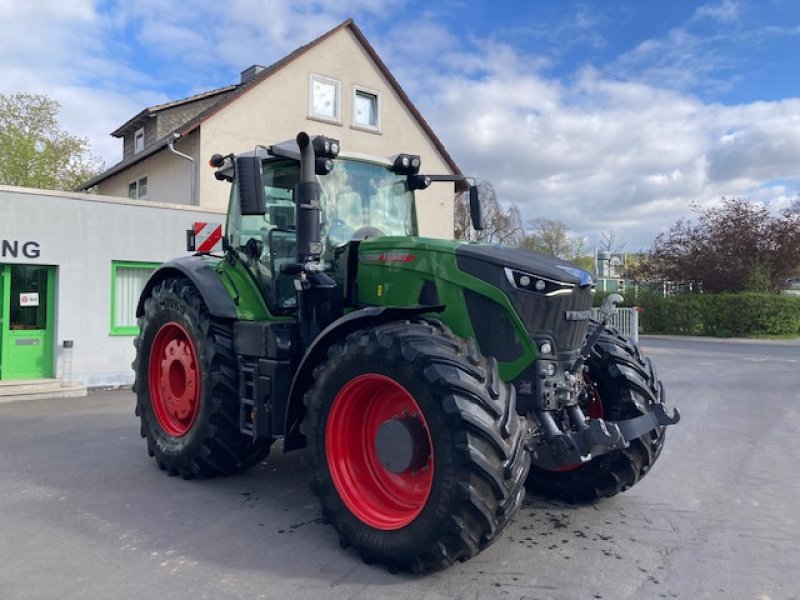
359	200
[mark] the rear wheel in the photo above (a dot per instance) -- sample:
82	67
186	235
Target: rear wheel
622	384
187	387
416	449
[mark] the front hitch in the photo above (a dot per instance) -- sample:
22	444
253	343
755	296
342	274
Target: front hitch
594	437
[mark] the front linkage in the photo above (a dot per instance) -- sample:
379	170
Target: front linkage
554	449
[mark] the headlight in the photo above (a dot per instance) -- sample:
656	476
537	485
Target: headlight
533	283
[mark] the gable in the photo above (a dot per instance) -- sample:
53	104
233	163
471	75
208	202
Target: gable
277	108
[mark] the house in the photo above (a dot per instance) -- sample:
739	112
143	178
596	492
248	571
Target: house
336	85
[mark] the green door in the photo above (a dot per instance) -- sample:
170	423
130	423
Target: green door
27	323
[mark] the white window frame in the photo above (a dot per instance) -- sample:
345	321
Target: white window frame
139	135
137	185
378	109
337	104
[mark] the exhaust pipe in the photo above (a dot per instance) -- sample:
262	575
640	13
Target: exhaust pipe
307	207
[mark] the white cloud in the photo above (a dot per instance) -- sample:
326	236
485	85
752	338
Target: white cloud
603	154
725	12
58	49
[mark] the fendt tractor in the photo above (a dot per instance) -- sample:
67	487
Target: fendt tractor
430	381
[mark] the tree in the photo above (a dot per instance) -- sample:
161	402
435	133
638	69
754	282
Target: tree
609	242
736	247
551	236
794	208
501	226
35	151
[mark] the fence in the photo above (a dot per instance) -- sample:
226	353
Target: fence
626	320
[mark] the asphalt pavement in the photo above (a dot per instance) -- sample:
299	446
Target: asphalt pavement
85	513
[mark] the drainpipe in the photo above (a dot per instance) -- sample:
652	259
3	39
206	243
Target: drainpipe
192	184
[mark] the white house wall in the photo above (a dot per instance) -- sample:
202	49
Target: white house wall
277	109
81	234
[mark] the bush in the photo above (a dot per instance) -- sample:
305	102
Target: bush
748	314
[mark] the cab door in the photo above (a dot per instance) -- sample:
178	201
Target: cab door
27	328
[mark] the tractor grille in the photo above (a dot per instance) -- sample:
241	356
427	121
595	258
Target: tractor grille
543	315
547	315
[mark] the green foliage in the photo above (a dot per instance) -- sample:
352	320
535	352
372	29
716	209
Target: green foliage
583	262
748	314
760	279
35	151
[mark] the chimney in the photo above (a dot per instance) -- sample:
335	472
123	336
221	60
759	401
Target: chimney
251	72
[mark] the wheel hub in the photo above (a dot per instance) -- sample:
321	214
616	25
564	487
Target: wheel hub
402	445
174	380
177	379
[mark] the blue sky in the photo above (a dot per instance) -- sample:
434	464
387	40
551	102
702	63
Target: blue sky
607	115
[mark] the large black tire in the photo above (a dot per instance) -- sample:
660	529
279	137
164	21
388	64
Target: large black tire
475	472
187	387
627	385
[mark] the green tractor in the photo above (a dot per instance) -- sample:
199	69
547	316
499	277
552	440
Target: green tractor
429	381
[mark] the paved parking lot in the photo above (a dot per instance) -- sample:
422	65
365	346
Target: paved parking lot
85	513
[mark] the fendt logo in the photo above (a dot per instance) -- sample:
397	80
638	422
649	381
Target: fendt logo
15	249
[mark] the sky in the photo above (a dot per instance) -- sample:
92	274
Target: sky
612	115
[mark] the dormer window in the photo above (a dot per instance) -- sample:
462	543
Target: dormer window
138	140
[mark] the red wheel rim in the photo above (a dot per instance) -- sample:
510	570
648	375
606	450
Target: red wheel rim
174	380
593	410
380	498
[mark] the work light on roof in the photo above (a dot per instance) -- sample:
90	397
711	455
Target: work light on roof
418	182
325	147
406	164
323	166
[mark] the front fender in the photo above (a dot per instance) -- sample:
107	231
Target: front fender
205	279
370	316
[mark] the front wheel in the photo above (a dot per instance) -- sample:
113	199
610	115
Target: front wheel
415	446
622	384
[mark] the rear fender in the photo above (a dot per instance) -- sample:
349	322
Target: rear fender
303	377
205	279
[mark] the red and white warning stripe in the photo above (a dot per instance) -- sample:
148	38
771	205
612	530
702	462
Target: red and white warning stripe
208	237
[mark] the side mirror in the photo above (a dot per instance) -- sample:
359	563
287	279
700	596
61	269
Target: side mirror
250	184
475	208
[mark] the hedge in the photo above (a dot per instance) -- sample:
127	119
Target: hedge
747	314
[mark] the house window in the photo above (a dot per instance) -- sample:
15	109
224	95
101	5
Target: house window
323	98
366	107
127	282
138	141
138	188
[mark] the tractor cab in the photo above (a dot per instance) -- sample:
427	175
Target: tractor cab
360	197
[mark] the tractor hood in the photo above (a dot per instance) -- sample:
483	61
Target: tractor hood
474	258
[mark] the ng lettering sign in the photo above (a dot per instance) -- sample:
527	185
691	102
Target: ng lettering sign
18	249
